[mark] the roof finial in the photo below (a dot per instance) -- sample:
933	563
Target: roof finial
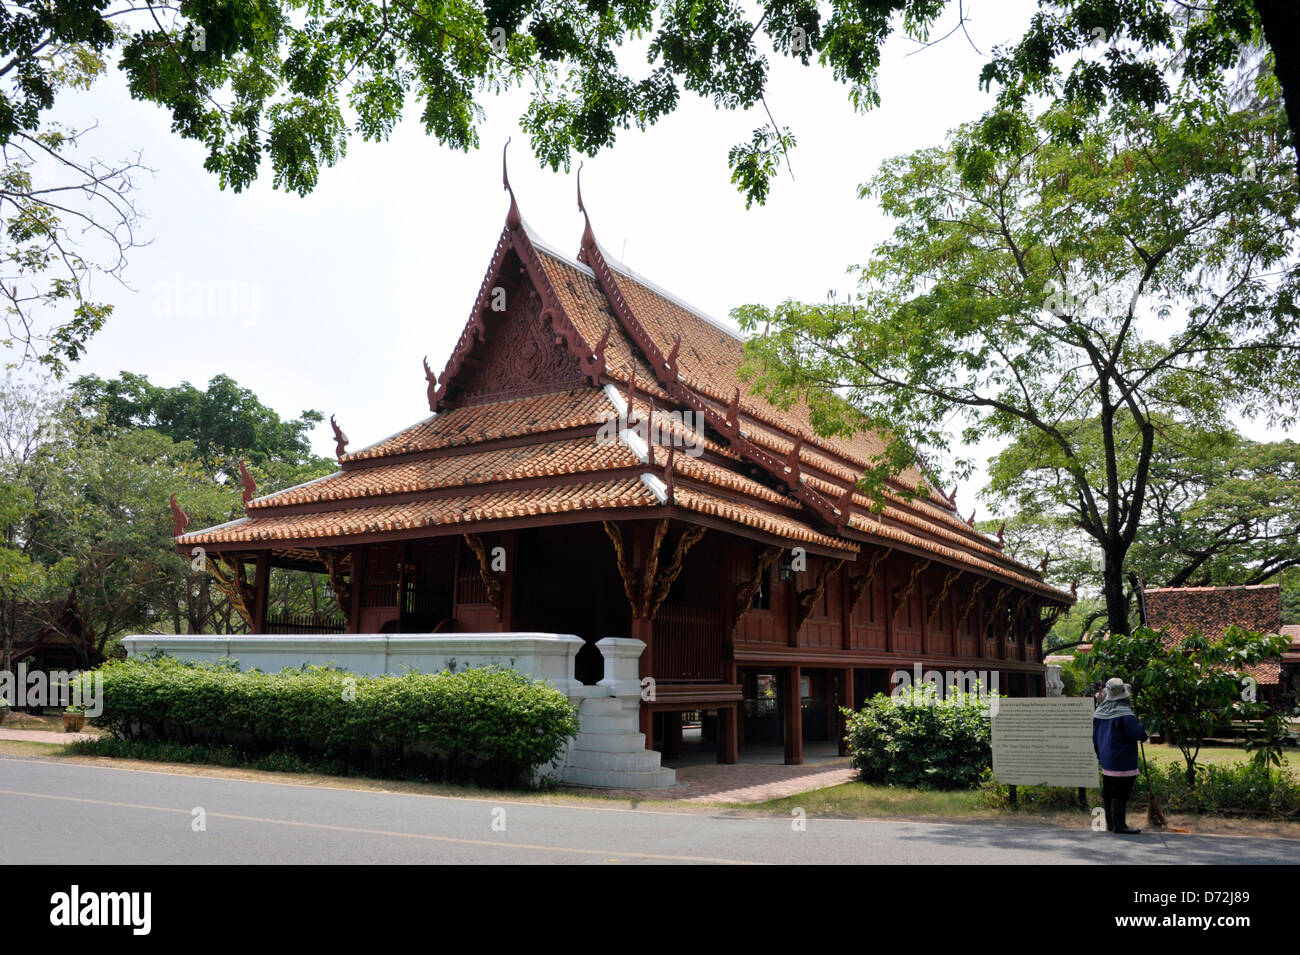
845	505
431	388
594	366
588	236
1001	532
250	486
631	393
670	371
179	519
970	521
668	473
340	439
513	219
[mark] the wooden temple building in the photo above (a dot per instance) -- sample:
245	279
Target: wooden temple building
592	465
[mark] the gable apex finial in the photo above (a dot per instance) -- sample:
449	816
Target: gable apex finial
588	236
513	218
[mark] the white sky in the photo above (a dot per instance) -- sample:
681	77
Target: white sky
381	264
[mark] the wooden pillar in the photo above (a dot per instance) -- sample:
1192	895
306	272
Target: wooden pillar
261	584
846	609
925	615
729	733
355	581
889	605
794	717
508	541
672	735
846	701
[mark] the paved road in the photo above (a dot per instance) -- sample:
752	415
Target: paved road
130	816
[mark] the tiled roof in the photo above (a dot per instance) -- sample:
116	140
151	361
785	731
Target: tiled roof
473	424
462	509
542	454
1210	610
552	459
709	359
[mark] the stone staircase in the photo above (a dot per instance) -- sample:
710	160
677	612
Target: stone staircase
610	753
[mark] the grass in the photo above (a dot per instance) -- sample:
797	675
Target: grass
13	747
1218	753
855	799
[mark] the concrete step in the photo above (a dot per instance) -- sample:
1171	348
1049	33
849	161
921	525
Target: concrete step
615	779
622	723
600	706
646	760
610	742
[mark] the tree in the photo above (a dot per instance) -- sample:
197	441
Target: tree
64	219
223	423
1064	298
1192	689
249	80
1221	509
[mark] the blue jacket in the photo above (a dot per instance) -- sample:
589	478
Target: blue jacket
1116	743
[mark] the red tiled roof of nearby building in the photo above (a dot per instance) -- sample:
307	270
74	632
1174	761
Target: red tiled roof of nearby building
1181	611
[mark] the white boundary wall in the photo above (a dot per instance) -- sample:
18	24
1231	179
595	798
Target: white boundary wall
542	656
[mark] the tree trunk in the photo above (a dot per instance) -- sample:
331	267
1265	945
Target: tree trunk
1113	591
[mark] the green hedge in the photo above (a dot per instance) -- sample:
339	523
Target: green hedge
913	740
487	725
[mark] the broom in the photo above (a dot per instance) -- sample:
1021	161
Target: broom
1155	815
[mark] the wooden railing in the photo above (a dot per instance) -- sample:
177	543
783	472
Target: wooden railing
304	623
688	645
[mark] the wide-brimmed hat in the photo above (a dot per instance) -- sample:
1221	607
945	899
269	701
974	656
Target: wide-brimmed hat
1117	689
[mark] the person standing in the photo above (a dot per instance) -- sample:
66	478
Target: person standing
1116	732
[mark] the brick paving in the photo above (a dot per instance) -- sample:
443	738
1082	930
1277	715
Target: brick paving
741	782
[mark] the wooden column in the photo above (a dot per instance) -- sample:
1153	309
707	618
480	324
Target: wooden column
846	700
261	584
355	578
794	717
846	609
728	733
508	541
672	735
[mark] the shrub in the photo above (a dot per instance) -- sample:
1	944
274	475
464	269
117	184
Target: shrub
490	725
913	739
1245	788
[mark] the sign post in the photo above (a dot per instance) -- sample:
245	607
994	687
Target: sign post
1044	741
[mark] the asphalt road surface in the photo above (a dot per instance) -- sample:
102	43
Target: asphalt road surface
130	816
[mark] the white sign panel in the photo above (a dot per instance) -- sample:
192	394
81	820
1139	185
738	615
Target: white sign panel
1044	741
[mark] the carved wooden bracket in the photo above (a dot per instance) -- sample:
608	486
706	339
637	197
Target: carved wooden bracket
748	588
342	586
970	604
902	593
808	598
666	577
987	621
231	582
937	600
645	587
491	579
858	585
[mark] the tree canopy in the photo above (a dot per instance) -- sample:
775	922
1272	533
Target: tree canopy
1065	298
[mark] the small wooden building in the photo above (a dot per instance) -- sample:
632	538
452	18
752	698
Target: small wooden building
592	465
